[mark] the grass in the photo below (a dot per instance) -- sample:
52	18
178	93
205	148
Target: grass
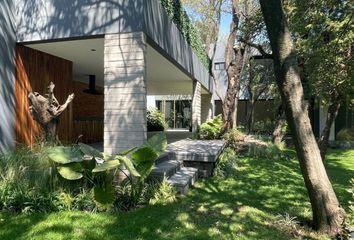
261	201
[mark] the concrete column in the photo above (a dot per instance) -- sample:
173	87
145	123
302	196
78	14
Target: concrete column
206	107
7	75
124	91
196	106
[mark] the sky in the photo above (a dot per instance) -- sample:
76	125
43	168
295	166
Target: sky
225	23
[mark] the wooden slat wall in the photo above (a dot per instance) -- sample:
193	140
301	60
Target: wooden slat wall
34	71
90	129
88	114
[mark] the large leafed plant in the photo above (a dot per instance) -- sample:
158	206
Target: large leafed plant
81	161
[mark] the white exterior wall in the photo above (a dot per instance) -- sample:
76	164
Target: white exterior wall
124	91
206	107
196	106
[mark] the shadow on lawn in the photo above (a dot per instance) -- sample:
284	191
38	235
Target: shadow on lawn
243	207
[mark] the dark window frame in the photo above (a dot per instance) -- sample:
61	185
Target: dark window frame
219	66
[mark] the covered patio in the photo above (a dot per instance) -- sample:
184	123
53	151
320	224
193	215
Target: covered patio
110	85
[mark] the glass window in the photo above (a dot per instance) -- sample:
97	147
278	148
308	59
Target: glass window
219	66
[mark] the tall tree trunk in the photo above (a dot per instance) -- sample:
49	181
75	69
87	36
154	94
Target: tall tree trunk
249	116
324	137
278	132
233	62
328	216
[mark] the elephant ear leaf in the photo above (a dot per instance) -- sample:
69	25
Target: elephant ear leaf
65	155
70	171
129	164
144	159
104	194
158	143
90	151
126	152
108	165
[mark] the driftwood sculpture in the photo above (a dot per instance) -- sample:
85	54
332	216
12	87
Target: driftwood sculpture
47	110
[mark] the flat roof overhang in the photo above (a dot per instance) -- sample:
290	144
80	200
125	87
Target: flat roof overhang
163	77
71	20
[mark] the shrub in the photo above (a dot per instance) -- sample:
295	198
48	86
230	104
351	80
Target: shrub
211	129
345	134
263	126
267	150
162	193
84	163
155	120
72	177
233	137
226	163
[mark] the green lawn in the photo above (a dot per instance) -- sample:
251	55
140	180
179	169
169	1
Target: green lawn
244	207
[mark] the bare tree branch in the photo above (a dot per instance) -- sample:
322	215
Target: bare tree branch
258	47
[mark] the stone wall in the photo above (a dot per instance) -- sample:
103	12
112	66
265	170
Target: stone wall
206	107
7	69
125	91
196	106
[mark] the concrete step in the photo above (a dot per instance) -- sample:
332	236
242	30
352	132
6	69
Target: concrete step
183	179
162	158
165	169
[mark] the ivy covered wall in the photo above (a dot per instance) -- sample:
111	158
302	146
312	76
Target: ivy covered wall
179	16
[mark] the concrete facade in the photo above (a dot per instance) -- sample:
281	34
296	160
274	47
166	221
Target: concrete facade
196	106
206	107
127	27
124	91
7	74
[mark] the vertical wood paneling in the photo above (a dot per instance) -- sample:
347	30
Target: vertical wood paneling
87	114
34	71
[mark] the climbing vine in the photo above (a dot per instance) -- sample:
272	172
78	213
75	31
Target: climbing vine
179	16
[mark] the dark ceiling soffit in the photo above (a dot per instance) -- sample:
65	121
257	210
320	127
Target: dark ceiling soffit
63	39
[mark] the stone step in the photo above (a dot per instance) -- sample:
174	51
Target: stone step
183	179
165	169
162	158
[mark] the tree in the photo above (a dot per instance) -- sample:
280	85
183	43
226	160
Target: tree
328	216
324	39
259	82
208	13
47	110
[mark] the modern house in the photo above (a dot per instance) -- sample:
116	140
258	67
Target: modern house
111	54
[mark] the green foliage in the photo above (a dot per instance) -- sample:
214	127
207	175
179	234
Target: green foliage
155	120
226	163
106	166
351	203
233	137
263	126
211	129
104	195
29	182
64	155
244	206
323	36
345	134
163	193
71	171
178	15
267	150
158	143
